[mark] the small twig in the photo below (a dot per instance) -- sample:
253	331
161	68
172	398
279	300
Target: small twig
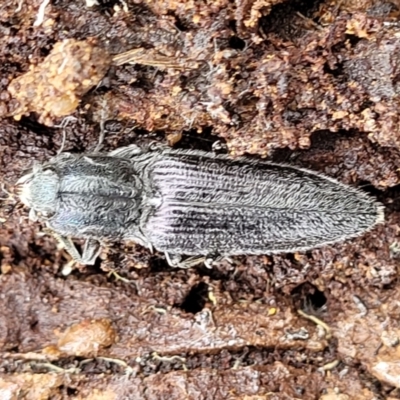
54	368
102	128
64	123
124	6
40	14
361	306
153	58
117	361
167	359
117	276
331	365
309	20
317	321
158	310
19	8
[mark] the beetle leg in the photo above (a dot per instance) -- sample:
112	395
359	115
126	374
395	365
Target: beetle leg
91	251
175	261
65	242
210	262
33	215
91	248
70	248
126	152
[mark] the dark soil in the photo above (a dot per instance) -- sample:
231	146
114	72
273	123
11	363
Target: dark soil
311	83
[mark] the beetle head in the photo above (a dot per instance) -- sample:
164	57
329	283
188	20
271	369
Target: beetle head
38	189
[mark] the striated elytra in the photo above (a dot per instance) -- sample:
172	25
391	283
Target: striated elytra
194	203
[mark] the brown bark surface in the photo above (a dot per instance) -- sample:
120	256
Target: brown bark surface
311	83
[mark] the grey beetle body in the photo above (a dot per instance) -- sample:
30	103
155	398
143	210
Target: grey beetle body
194	203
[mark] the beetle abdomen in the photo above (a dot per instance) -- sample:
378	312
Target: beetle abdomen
213	204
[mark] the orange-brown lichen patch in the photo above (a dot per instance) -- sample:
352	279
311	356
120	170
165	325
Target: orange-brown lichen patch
30	386
87	338
54	88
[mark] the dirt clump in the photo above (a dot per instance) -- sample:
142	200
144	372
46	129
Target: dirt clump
54	88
